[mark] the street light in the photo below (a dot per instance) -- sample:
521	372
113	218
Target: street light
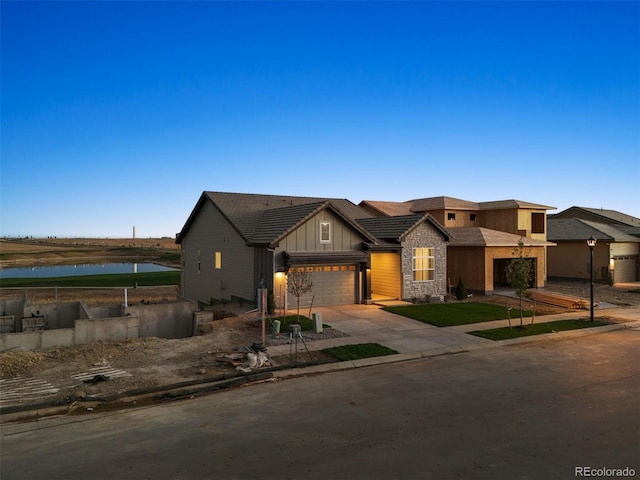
592	243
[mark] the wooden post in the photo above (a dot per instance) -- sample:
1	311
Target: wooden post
263	302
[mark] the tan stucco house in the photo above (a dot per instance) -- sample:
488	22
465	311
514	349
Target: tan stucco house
485	236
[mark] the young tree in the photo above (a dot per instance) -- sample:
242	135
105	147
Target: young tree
518	273
298	283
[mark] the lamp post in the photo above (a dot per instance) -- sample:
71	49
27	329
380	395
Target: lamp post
592	243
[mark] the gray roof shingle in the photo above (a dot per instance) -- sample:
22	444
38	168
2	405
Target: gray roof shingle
393	229
260	218
573	229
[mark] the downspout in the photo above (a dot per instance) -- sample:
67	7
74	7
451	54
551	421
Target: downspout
273	270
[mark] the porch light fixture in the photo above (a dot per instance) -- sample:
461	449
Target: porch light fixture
592	243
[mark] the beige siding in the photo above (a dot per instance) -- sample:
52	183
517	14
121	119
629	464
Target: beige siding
571	260
624	248
386	276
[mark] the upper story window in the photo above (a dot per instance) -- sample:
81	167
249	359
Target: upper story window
537	223
451	216
423	264
325	232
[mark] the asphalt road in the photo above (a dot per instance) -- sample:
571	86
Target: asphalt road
532	411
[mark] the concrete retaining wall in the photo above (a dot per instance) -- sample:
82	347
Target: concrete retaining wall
172	320
165	320
120	328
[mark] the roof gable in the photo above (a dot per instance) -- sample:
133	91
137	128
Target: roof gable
248	213
395	229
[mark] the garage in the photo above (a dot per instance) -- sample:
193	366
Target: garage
332	285
625	269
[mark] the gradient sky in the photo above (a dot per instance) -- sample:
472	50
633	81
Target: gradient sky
117	114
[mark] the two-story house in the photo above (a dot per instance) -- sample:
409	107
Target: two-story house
486	236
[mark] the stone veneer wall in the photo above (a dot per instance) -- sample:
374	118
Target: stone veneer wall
423	236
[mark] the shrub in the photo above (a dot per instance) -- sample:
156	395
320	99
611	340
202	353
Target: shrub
460	291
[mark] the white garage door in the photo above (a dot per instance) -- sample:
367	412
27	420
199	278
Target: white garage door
625	269
332	285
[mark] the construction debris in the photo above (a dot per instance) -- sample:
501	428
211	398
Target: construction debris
248	359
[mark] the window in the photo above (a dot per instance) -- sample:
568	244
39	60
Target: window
472	217
451	216
423	265
537	223
218	260
325	232
198	261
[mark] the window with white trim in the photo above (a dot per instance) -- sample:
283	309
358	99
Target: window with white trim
423	264
325	232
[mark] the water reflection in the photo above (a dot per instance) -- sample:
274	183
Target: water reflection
82	269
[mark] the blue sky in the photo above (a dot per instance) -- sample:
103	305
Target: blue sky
117	114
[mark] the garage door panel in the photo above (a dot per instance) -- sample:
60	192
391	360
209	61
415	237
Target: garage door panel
625	270
330	287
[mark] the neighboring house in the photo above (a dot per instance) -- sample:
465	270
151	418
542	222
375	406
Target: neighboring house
485	235
616	255
623	222
232	244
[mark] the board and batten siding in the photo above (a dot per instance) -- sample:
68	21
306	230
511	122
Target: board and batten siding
210	233
306	238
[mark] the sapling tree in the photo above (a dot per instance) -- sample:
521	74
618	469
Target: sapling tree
518	273
298	283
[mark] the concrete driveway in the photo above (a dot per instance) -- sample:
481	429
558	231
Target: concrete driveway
371	324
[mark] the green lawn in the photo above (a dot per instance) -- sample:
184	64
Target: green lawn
360	350
110	280
505	333
450	314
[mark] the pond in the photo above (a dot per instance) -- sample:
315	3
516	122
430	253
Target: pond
82	269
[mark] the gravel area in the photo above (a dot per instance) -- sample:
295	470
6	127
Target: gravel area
308	336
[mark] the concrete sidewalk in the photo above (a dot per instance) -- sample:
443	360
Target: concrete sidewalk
371	324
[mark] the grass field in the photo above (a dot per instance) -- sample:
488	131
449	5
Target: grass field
505	333
357	351
31	252
450	314
111	280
